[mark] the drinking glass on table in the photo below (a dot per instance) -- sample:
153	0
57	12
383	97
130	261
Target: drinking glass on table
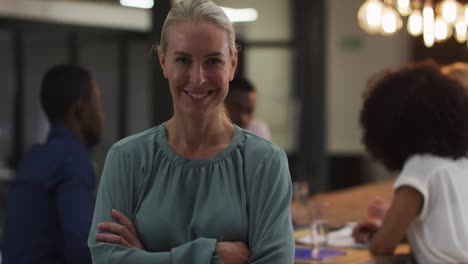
318	223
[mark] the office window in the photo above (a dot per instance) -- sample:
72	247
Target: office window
270	71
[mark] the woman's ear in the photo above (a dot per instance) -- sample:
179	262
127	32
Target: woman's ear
162	61
233	65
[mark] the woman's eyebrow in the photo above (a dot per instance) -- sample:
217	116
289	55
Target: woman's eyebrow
181	53
215	54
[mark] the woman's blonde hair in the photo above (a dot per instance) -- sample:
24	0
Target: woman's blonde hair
198	11
459	71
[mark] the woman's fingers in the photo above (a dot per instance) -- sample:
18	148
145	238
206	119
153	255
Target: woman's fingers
114	228
233	252
363	231
113	239
377	208
120	230
124	228
122	219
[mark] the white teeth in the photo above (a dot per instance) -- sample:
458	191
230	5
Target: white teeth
197	95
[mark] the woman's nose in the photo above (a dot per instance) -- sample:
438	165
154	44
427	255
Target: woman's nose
197	74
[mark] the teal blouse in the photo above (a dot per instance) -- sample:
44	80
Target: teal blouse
181	207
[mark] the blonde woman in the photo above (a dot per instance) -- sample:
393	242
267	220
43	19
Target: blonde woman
195	189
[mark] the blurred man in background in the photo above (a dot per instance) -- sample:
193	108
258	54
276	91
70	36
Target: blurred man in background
240	103
51	199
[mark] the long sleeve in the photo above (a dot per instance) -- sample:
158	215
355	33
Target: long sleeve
74	203
271	236
119	190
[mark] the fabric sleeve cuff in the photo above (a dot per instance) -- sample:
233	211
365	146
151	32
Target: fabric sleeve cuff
418	186
199	250
215	258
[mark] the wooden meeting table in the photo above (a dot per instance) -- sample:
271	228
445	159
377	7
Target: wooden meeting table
350	205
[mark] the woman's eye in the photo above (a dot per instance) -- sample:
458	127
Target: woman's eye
183	60
215	61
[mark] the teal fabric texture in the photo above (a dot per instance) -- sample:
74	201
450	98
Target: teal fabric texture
181	208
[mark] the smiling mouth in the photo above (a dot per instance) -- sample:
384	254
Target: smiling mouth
198	95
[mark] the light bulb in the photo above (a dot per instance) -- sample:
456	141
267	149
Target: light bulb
404	7
449	10
415	23
466	14
146	4
428	25
240	14
442	30
391	21
460	31
370	15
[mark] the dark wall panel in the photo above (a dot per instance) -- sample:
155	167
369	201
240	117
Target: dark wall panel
41	51
101	58
7	95
139	115
444	53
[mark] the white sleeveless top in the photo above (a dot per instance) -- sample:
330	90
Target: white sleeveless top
440	233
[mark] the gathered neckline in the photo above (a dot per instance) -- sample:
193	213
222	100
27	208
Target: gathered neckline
182	161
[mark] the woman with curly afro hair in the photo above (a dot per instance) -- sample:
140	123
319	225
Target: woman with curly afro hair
415	122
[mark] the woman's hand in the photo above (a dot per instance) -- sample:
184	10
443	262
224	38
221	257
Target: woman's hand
233	252
122	234
364	231
378	208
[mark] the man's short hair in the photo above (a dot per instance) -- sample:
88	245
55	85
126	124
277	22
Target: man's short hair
62	86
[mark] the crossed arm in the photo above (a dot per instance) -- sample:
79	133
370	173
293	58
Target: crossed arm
113	237
124	234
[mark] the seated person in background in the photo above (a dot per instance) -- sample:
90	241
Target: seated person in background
459	70
51	199
415	121
240	104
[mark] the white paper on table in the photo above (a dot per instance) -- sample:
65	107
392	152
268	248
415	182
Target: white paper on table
339	238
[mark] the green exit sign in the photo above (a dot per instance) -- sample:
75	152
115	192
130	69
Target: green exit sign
350	43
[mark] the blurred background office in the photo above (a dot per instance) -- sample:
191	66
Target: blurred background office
309	61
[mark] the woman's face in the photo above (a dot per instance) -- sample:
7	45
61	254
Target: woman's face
198	66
